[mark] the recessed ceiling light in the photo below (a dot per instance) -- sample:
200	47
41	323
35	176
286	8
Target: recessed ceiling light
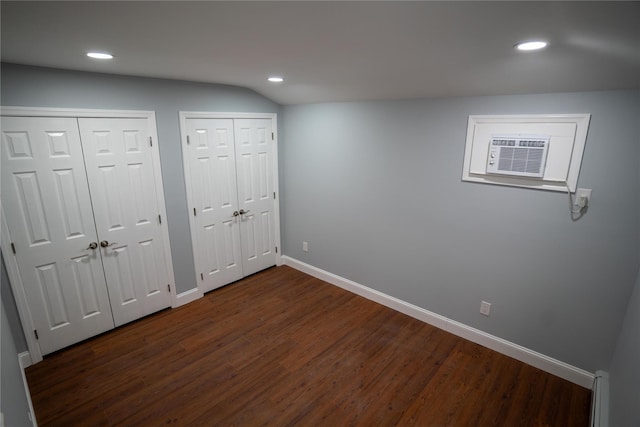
532	45
275	79
99	55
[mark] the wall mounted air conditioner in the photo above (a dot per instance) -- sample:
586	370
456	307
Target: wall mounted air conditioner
518	155
541	151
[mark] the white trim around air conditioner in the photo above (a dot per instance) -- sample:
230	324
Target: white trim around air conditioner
533	358
183	116
581	123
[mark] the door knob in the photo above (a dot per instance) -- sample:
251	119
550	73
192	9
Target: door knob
92	245
242	211
236	213
106	244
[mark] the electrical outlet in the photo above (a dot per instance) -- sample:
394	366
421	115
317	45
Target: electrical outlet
485	308
583	195
305	247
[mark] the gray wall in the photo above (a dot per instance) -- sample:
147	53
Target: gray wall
13	401
625	366
46	87
376	190
625	369
8	300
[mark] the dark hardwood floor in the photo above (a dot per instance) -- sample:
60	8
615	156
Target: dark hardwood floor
282	348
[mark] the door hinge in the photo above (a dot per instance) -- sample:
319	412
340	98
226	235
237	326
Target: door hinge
272	136
169	287
188	141
276	249
274	195
159	219
194	211
201	276
35	332
150	142
13	248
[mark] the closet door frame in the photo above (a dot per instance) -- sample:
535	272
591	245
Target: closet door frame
35	355
184	116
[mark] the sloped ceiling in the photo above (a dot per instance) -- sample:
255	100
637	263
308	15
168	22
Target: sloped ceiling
338	51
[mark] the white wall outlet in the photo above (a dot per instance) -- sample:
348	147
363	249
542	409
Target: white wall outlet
485	308
305	247
583	195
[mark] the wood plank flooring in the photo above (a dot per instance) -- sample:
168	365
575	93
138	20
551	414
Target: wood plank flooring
282	348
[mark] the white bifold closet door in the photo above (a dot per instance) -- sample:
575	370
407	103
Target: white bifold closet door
120	167
45	201
86	238
230	175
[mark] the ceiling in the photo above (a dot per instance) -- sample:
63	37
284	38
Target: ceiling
338	51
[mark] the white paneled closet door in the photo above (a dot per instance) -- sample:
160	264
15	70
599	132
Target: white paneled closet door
229	172
256	201
45	198
121	179
83	207
215	201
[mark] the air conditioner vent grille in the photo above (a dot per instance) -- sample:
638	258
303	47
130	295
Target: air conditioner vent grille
518	156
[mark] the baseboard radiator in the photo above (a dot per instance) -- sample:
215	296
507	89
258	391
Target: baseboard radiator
600	400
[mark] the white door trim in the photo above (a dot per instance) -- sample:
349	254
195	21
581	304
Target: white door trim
11	262
184	115
157	175
74	112
5	242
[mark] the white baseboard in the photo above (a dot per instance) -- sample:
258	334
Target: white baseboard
187	297
523	354
24	360
600	400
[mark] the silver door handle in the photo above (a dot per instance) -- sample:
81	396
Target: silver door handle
92	245
106	244
242	211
